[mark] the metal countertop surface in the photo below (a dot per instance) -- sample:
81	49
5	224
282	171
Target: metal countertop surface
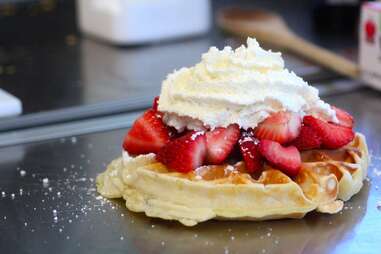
64	213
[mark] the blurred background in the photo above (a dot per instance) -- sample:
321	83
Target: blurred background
67	60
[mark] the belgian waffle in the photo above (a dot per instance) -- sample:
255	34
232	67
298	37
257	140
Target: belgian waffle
326	179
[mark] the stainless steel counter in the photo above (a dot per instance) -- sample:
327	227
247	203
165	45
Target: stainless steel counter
64	214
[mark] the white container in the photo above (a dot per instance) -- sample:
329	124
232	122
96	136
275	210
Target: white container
9	105
370	43
127	22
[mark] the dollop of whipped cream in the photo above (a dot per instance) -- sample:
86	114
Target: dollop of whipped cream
242	86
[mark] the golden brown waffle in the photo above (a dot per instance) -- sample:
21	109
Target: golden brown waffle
326	179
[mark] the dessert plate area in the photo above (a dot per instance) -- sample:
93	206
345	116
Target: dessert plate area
49	203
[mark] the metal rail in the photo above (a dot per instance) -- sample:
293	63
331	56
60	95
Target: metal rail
38	134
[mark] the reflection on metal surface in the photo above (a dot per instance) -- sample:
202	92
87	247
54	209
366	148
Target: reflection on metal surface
133	71
14	155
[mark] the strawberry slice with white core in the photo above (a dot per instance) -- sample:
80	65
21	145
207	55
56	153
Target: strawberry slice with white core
147	135
249	147
281	127
220	143
345	119
333	136
286	159
307	139
184	154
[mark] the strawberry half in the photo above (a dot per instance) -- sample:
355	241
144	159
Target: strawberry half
307	139
220	142
333	136
345	119
184	154
281	127
249	147
147	135
286	159
155	103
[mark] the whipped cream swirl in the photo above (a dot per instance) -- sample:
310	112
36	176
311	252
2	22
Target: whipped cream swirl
241	86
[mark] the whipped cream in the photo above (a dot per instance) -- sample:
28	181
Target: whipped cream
241	86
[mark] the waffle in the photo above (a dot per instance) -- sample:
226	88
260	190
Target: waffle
227	192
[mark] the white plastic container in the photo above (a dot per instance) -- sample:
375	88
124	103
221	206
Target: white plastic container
9	105
127	22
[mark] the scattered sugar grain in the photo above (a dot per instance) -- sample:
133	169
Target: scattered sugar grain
45	182
377	172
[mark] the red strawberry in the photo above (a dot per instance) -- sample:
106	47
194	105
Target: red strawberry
307	139
147	135
345	119
286	159
281	127
333	136
184	154
155	103
220	142
249	147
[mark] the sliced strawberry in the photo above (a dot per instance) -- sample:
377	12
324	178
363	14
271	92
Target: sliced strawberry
281	127
249	147
286	159
184	154
307	139
155	103
345	119
147	135
220	142
333	136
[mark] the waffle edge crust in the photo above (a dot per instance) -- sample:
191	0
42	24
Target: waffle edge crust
321	185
